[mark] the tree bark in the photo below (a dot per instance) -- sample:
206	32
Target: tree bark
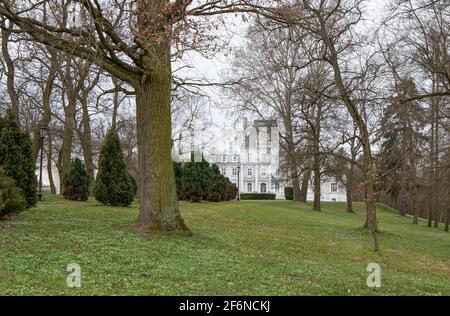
49	164
46	110
86	144
369	168
10	68
65	153
86	134
447	219
305	185
350	184
159	208
316	158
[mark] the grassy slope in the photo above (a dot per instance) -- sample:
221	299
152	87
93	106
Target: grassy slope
245	248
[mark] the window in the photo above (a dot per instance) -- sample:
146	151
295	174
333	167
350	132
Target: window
224	158
277	188
234	172
263	188
234	158
249	187
224	171
249	171
334	187
263	172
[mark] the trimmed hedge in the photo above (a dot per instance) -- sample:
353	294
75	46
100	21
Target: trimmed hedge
258	196
289	193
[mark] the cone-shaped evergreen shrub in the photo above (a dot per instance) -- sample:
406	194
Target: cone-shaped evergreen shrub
11	198
197	180
16	157
219	186
113	184
76	182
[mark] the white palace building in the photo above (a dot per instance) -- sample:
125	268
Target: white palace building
251	161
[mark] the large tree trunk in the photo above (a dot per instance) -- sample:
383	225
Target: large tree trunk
10	76
159	208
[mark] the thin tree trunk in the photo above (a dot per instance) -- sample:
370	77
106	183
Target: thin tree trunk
159	208
350	186
436	165
46	110
10	68
305	185
316	151
49	164
369	169
116	104
447	219
65	154
86	134
86	144
317	176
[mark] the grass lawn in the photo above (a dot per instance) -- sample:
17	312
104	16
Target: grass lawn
237	248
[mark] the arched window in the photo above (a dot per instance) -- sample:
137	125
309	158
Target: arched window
263	188
249	187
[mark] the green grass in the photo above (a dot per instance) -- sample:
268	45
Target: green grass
237	248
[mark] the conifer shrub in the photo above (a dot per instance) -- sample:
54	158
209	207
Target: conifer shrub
11	198
76	182
114	185
16	158
289	193
200	181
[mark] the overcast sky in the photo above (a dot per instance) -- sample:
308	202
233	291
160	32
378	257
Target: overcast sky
212	69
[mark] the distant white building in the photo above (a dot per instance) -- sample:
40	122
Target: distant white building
251	161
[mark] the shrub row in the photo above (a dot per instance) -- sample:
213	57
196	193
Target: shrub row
258	196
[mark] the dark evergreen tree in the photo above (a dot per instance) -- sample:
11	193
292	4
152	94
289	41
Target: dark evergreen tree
219	185
179	178
11	198
114	185
197	181
400	148
76	186
195	178
16	157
